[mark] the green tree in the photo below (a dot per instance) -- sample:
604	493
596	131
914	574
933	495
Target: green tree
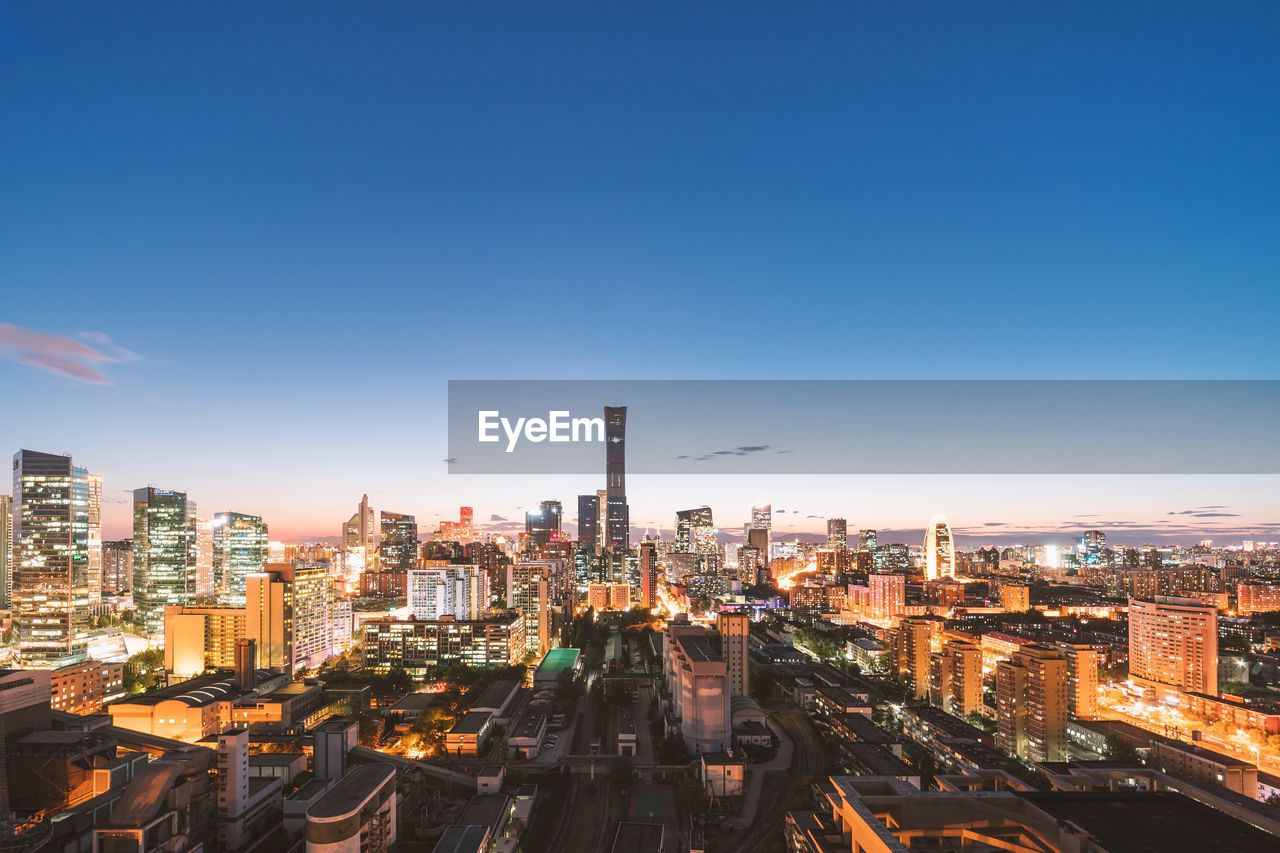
143	670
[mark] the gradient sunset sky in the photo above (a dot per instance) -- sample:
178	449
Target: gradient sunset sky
246	245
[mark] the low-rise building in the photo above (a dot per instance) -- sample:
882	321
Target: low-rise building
470	735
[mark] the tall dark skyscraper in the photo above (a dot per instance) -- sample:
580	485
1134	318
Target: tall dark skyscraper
588	522
617	516
542	525
398	551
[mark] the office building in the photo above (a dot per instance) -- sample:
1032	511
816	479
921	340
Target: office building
205	586
416	645
867	541
542	526
939	550
164	553
199	638
94	482
1173	645
117	566
398	551
648	574
359	553
837	534
617	513
695	531
457	531
239	550
438	592
6	549
531	588
588	523
50	587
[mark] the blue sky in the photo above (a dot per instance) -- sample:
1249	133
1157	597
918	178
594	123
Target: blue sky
295	223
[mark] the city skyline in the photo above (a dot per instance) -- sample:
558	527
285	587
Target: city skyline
117	523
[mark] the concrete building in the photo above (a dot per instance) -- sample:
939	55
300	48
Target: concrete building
735	634
414	645
1031	704
83	688
1173	645
356	815
457	591
699	683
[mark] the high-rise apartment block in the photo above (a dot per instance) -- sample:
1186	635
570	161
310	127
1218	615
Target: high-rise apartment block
735	632
1031	704
455	591
1173	645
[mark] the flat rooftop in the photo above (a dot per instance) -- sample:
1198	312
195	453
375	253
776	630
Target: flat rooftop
637	838
557	661
699	649
485	810
352	791
472	723
496	696
462	839
1144	822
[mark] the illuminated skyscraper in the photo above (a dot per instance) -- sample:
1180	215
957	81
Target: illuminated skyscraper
358	551
50	592
1092	545
95	538
939	550
837	533
617	514
543	525
588	522
398	551
6	549
762	517
164	554
695	531
204	558
867	540
117	566
648	574
239	550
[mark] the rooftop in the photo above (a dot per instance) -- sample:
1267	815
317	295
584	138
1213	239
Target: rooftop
462	839
472	723
557	661
637	838
351	792
496	696
485	810
1143	822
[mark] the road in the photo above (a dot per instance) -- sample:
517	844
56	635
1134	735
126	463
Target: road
807	760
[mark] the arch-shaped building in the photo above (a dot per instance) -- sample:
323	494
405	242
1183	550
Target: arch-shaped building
939	549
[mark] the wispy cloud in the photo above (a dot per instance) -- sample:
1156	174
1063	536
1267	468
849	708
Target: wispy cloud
744	450
74	358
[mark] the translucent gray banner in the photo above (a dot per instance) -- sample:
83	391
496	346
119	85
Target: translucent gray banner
868	426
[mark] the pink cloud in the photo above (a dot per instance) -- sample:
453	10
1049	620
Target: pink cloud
62	355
